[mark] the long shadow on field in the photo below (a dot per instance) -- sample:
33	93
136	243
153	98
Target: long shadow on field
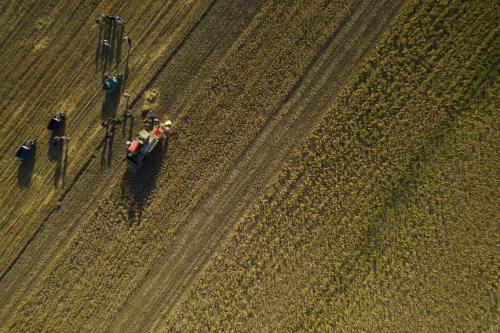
110	143
128	121
25	169
55	153
57	149
107	145
61	165
110	105
109	45
65	165
138	184
98	50
126	71
119	44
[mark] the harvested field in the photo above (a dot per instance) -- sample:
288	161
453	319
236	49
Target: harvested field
387	219
225	223
39	81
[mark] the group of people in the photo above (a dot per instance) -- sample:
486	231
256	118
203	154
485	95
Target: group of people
106	22
149	122
110	123
110	19
59	139
110	25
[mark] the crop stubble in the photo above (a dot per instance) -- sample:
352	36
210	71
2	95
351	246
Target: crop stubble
38	81
386	219
252	78
121	231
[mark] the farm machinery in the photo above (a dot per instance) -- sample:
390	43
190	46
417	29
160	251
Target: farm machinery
111	83
26	150
146	142
57	122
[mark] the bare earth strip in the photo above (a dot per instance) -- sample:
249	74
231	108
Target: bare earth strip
119	244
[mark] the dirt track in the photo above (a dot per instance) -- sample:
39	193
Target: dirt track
131	245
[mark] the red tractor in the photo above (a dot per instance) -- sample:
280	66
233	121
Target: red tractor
146	141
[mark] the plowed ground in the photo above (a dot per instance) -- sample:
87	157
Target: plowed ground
90	246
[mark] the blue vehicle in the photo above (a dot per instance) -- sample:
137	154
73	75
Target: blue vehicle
26	150
110	84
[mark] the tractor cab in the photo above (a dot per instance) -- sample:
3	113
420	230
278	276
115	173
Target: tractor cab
111	83
26	150
145	142
57	121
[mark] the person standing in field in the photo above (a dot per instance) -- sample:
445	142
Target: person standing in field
120	21
128	40
105	44
58	139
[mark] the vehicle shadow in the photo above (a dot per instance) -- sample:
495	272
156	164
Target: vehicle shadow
110	104
25	170
138	184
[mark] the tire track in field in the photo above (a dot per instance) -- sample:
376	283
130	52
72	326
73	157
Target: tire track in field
167	282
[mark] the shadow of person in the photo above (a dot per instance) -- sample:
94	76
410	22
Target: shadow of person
104	145
130	121
65	163
125	74
25	169
110	144
54	150
106	54
60	167
98	50
58	170
119	44
110	51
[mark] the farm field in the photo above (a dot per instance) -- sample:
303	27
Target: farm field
305	186
386	220
38	81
